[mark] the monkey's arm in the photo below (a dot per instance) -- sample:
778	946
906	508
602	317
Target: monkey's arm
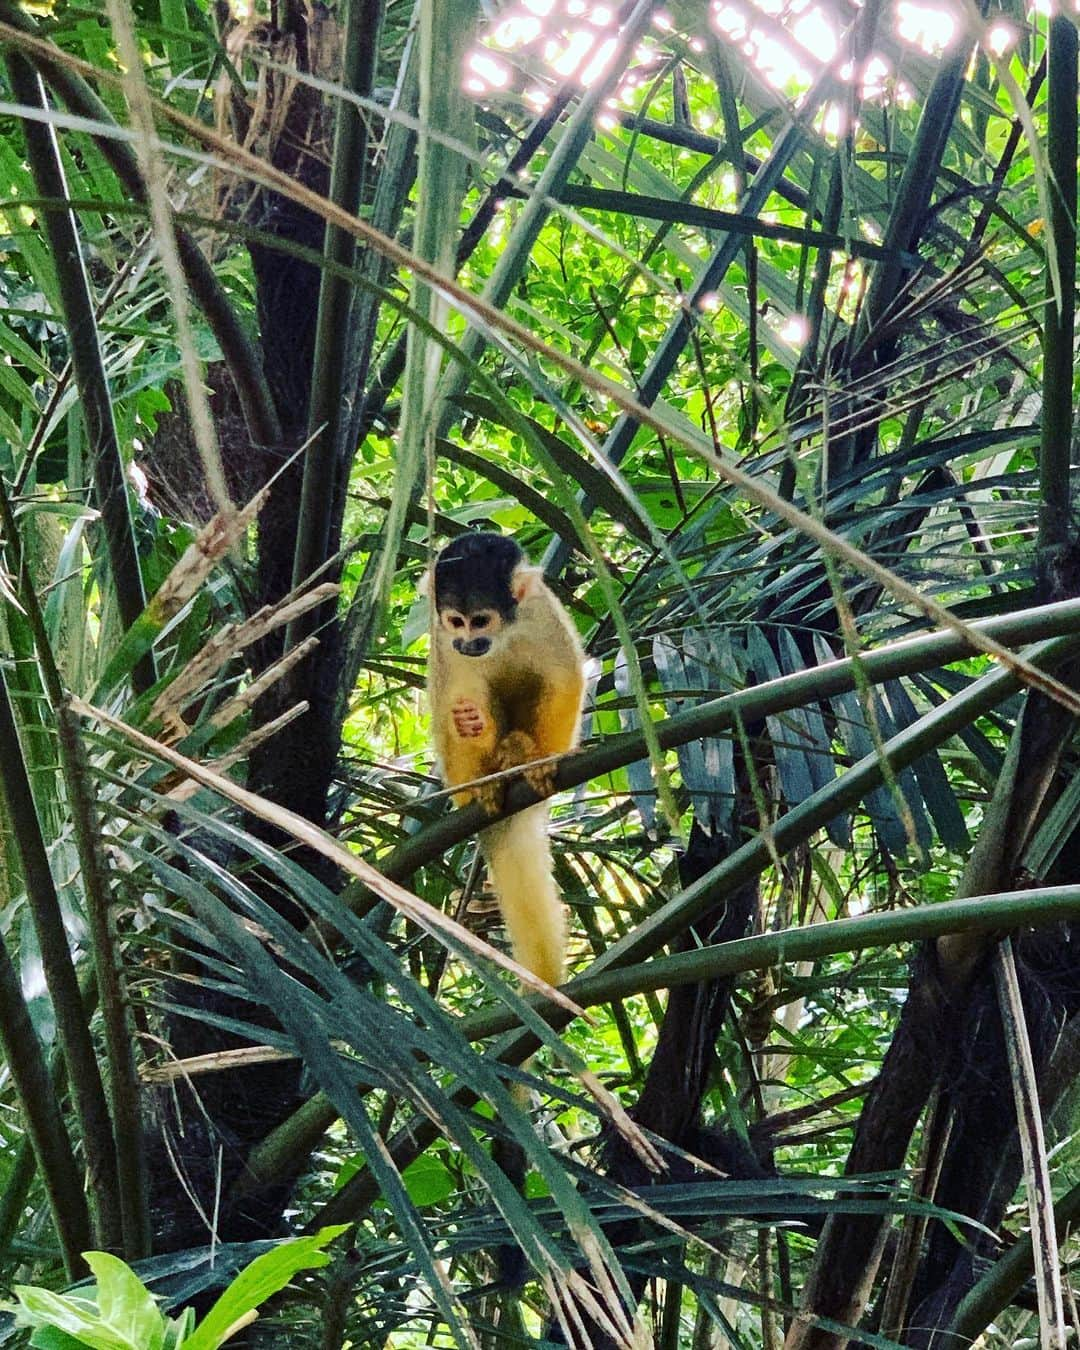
465	727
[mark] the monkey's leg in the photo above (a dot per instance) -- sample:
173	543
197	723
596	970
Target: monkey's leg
557	725
516	747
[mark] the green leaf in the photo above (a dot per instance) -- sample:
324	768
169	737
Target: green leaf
428	1181
124	1302
178	1329
258	1282
79	1317
51	1338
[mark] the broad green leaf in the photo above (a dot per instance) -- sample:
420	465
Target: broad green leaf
52	1338
79	1317
125	1303
428	1181
259	1281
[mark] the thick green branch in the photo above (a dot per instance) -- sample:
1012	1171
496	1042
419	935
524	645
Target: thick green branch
977	914
71	1023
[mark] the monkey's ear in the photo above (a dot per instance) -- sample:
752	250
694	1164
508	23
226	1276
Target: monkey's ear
526	582
423	586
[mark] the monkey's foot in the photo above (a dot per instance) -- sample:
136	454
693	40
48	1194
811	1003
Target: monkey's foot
541	778
491	797
469	721
516	750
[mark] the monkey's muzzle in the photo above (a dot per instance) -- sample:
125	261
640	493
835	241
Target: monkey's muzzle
479	646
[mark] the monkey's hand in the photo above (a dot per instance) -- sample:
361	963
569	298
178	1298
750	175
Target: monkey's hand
467	748
469	720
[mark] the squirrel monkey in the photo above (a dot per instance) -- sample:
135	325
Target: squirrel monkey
506	681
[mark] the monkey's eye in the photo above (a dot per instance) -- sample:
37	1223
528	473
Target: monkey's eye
481	620
456	621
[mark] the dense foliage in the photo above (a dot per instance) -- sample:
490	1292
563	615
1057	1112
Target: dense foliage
754	322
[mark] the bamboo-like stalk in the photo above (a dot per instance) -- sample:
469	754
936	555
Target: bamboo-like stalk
1055	504
44	1120
110	482
20	1176
123	1080
78	1047
397	172
119	1031
151	158
27	690
1040	1198
329	413
799	395
238	350
61	383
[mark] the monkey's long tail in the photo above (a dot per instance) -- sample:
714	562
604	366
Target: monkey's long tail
518	854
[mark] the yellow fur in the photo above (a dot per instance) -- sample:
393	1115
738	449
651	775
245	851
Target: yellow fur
527	693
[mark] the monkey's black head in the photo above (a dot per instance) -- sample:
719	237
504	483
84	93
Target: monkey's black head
474	593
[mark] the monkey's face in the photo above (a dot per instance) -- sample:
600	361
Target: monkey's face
476	594
471	633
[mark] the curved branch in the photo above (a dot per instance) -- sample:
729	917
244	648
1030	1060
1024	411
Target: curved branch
717	715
